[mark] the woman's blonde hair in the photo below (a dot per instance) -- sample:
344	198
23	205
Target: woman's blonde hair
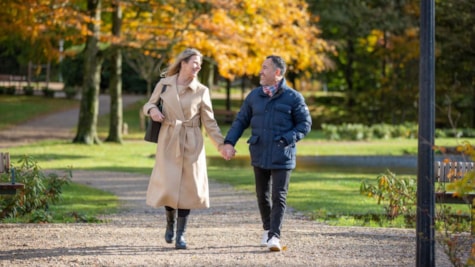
174	68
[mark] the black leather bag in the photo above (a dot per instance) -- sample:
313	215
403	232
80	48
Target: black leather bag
153	127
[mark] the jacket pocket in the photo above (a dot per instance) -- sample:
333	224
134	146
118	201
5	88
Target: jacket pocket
254	148
285	109
253	140
283	153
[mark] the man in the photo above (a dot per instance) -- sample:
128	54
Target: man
279	118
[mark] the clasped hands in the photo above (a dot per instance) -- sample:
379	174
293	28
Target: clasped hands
228	151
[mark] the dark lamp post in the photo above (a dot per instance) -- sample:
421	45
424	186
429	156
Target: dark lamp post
425	249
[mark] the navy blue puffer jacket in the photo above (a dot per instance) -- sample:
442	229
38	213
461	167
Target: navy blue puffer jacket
277	124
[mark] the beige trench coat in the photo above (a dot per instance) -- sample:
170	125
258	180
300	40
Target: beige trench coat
179	178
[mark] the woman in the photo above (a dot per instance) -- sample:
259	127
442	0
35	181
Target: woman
179	179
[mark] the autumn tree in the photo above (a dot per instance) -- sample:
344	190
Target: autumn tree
455	63
89	107
41	24
225	31
238	35
32	29
376	63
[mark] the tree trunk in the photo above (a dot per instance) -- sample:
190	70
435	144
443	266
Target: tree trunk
243	88
206	73
228	118
115	85
149	86
350	54
89	107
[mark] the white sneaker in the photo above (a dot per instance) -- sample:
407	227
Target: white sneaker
265	236
274	244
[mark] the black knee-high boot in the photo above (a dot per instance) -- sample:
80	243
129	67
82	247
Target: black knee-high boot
180	242
170	231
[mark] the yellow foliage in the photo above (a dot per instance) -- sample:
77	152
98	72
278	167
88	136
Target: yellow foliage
383	182
240	33
236	34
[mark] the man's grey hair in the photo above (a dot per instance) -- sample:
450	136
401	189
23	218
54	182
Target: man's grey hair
278	63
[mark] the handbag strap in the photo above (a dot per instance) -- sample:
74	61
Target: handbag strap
164	88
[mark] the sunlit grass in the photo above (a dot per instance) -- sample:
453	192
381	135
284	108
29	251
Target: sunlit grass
83	202
19	108
310	192
133	156
78	203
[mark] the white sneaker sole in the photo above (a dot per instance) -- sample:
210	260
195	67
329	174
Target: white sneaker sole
275	248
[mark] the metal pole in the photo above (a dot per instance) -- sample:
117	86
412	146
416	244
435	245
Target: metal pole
425	249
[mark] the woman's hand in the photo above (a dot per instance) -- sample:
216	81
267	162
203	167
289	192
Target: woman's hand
156	115
227	151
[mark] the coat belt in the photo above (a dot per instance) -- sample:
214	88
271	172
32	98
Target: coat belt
179	133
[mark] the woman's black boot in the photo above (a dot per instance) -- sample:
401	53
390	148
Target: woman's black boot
180	242
170	232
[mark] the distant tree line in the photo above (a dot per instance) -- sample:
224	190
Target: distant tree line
376	64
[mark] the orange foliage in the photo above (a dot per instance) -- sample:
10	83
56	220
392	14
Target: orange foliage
236	34
41	24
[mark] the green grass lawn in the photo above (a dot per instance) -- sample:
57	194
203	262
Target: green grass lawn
319	194
81	203
20	108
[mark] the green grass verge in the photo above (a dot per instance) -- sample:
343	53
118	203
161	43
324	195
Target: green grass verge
322	193
81	203
18	109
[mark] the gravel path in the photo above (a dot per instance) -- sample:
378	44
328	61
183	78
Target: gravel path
227	234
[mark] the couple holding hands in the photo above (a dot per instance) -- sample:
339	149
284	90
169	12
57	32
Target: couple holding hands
278	117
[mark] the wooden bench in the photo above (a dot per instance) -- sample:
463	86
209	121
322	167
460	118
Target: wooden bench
447	172
12	187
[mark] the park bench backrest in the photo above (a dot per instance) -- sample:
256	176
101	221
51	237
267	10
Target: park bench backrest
449	171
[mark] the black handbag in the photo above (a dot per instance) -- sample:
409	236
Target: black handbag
153	127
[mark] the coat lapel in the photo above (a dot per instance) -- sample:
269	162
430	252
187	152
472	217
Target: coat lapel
170	97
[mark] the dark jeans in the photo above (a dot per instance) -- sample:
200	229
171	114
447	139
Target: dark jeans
271	191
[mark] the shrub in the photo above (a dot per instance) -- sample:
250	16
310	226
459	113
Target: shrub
382	131
330	131
48	92
349	131
455	132
28	90
10	90
397	193
70	92
40	191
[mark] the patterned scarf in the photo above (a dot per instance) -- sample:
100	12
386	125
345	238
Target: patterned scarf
270	90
